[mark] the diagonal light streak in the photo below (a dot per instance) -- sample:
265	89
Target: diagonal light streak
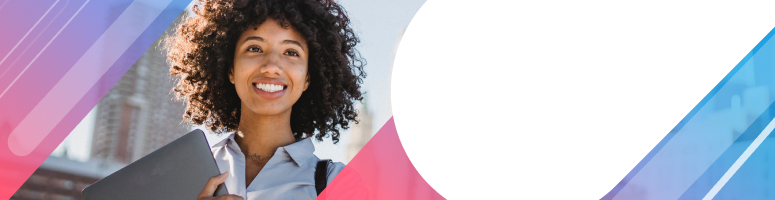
42	50
35	39
28	32
739	162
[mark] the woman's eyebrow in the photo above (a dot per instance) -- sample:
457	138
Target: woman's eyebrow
293	42
260	39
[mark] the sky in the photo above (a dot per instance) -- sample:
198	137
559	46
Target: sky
378	23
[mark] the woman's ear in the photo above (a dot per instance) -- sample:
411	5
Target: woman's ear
231	75
306	84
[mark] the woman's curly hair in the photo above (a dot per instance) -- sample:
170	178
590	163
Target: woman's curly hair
201	54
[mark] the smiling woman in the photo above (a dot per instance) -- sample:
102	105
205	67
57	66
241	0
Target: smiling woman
273	74
269	61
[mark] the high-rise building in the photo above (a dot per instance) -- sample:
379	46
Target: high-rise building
139	114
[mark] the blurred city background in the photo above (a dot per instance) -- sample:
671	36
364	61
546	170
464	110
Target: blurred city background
139	114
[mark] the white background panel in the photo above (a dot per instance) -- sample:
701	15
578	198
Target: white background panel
557	99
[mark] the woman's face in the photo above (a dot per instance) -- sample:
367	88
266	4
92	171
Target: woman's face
270	68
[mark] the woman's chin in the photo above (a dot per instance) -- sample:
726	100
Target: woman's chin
268	110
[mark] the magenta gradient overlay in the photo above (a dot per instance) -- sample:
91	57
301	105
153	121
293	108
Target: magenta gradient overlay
44	40
381	170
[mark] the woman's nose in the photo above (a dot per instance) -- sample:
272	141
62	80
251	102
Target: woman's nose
272	67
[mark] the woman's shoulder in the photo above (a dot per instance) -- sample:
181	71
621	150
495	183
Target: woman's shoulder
333	169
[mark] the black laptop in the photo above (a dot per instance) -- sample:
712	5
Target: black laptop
178	170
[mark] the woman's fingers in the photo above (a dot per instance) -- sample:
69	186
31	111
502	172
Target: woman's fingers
213	183
229	197
224	197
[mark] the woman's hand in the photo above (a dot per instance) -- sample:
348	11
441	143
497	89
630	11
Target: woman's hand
209	190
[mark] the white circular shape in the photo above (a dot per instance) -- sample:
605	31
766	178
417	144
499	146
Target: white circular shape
556	99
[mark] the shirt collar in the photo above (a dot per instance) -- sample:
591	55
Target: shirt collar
299	151
223	141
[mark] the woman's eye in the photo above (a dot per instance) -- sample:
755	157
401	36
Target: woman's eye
255	49
291	53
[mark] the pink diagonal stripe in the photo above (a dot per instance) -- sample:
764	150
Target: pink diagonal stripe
381	170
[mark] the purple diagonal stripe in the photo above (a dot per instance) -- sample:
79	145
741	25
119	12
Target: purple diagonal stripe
77	81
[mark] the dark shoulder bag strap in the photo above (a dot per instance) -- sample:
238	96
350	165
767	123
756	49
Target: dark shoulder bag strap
321	175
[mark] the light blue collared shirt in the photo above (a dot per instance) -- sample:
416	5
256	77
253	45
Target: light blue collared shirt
289	174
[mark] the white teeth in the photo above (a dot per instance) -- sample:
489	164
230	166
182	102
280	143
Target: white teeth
269	87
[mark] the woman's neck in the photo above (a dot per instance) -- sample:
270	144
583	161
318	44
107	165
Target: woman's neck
262	135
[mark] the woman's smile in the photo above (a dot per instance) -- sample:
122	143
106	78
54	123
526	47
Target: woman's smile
269	88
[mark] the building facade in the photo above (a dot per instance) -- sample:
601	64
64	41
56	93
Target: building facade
139	114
